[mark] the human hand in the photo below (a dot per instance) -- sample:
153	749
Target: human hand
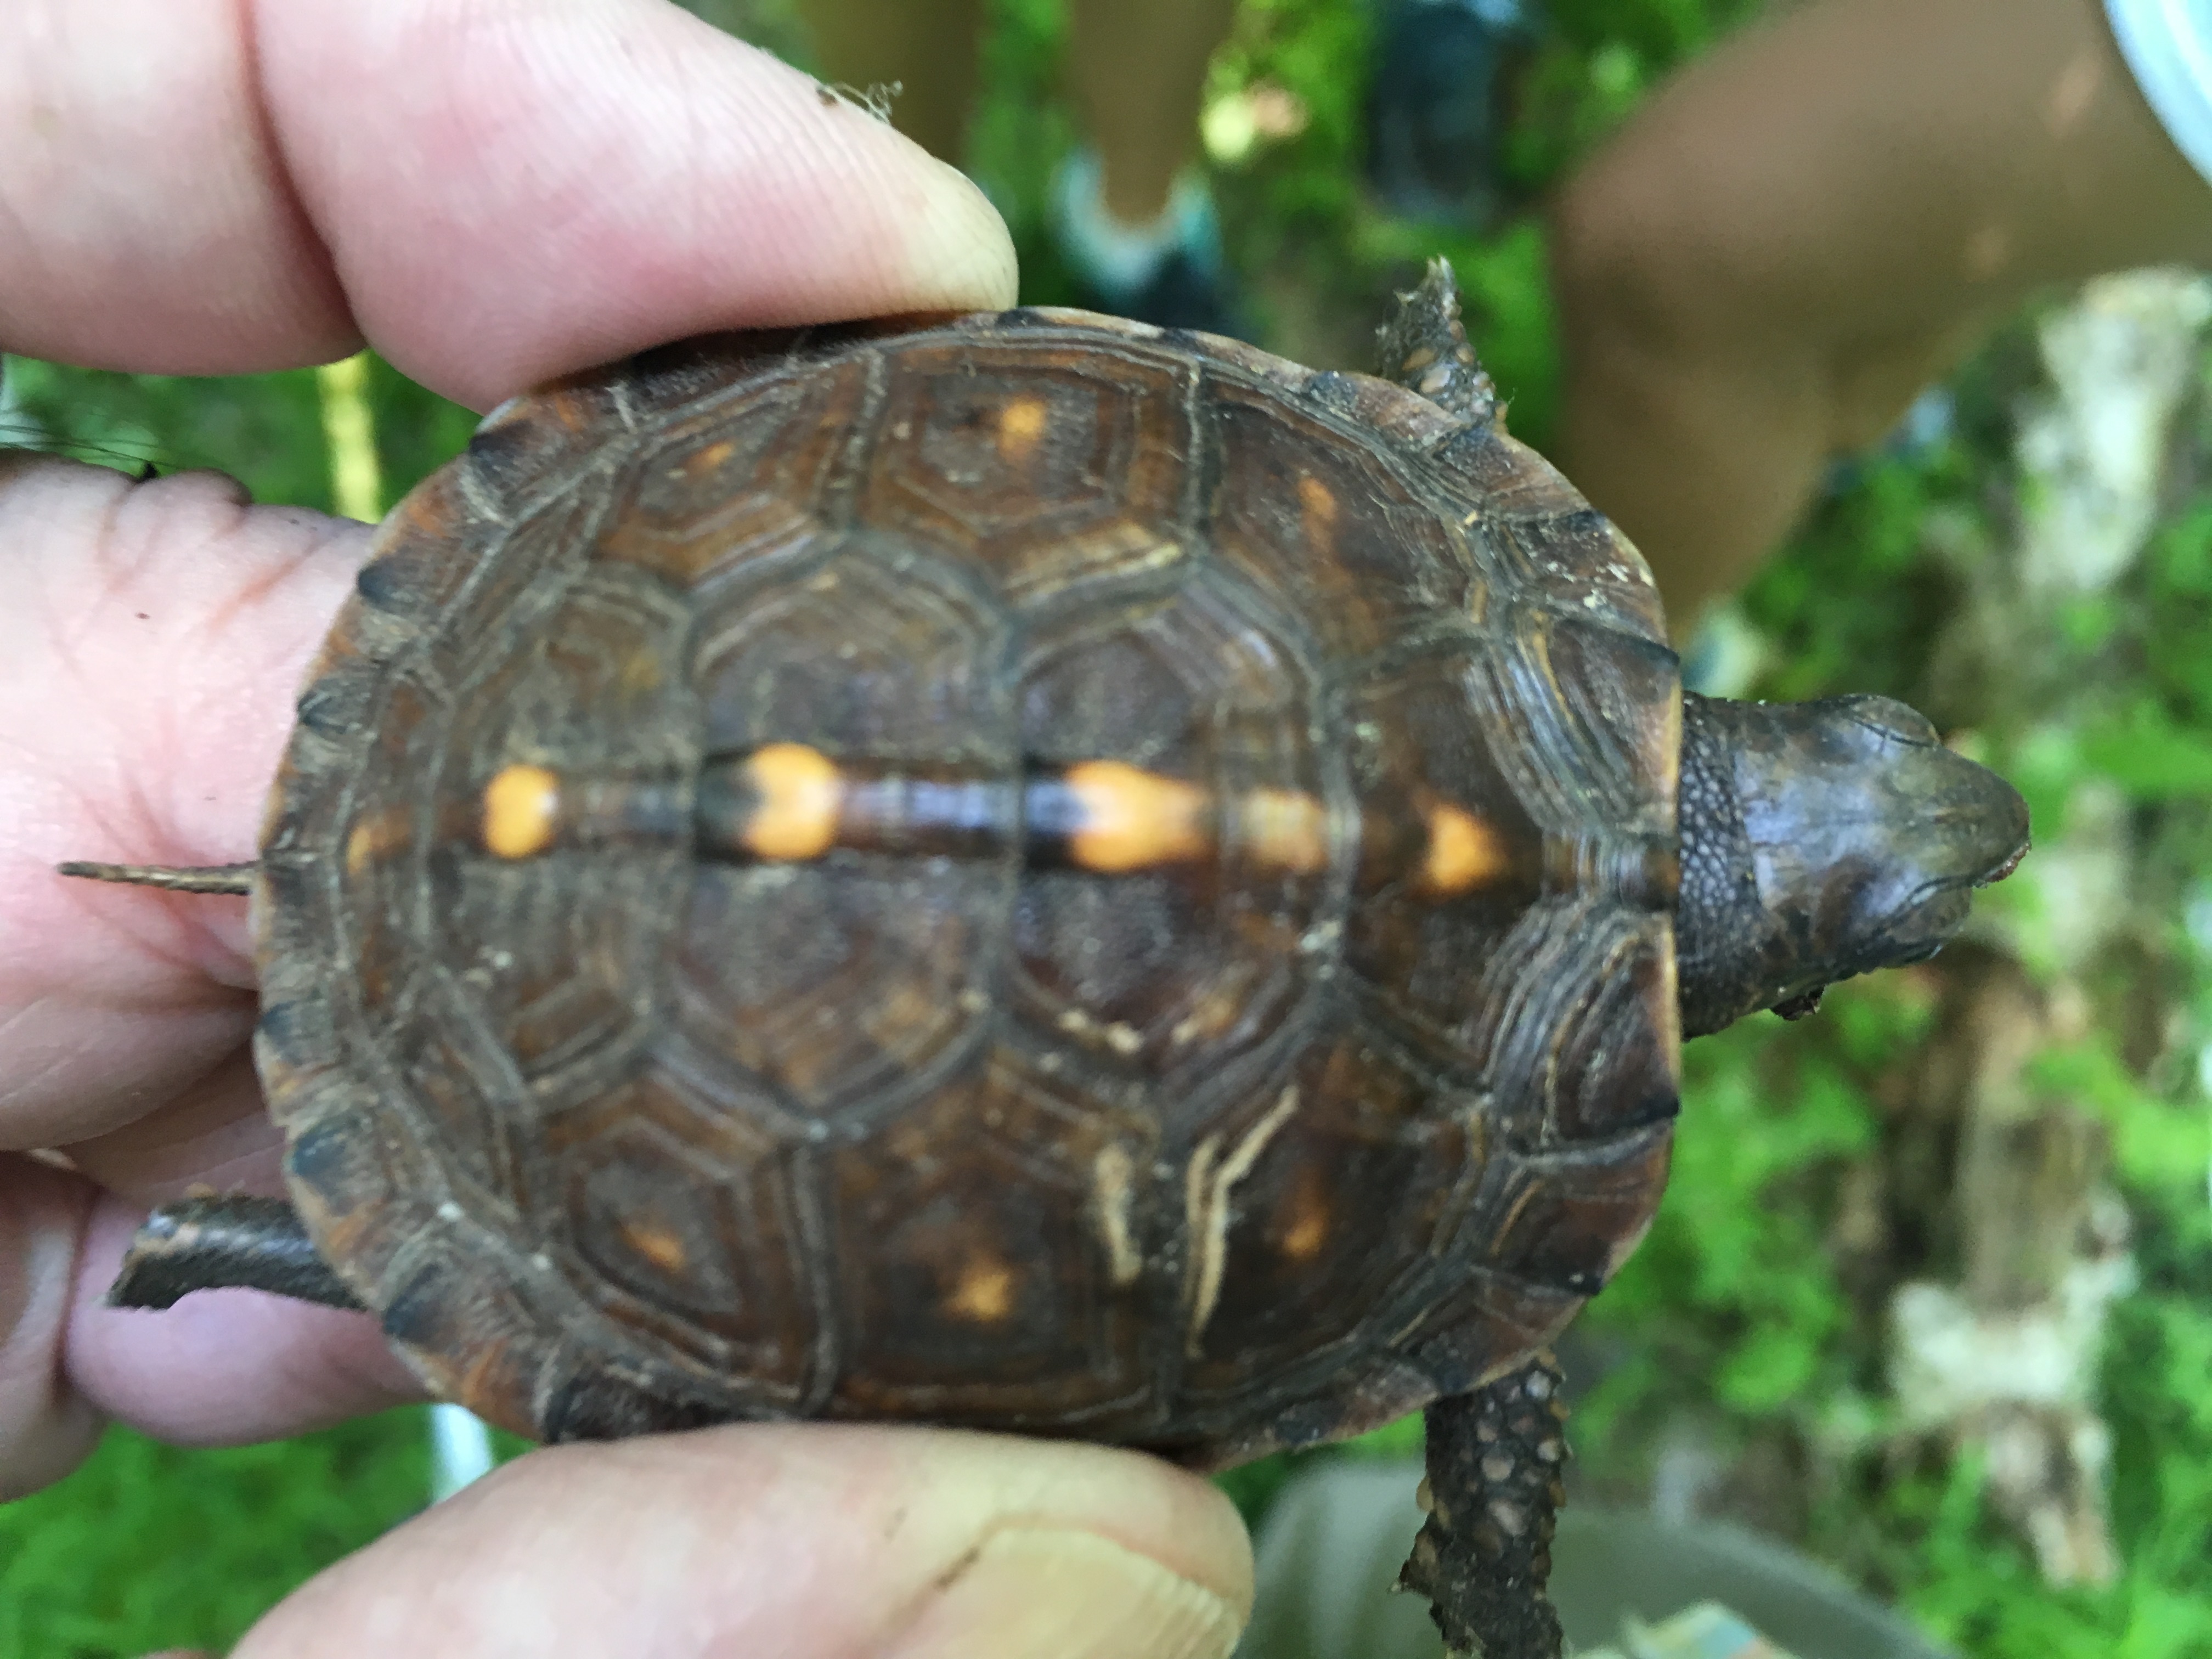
489	194
1775	256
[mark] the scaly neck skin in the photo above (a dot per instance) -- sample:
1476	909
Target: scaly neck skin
1819	840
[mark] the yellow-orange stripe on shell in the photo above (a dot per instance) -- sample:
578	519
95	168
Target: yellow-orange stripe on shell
1133	819
1464	851
522	812
1284	828
799	790
1124	819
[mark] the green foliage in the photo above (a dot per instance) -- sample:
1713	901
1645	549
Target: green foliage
1974	1587
1732	1296
1857	603
1020	131
263	430
266	430
149	1546
416	430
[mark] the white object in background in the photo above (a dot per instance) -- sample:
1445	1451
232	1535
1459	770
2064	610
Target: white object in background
1707	1631
460	1450
2168	44
1332	1544
2092	453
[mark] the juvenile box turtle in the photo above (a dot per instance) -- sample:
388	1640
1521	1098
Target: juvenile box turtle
1036	873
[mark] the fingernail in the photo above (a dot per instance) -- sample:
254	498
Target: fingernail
956	246
1056	1593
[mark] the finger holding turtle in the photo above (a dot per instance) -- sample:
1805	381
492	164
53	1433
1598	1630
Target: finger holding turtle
490	195
148	636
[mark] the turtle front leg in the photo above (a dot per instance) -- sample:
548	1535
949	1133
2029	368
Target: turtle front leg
218	1243
1492	1493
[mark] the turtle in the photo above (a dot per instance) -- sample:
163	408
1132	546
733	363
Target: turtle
1031	871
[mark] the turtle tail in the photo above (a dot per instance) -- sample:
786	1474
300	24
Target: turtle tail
175	878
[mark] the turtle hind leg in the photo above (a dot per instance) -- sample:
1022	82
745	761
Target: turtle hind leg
1493	1491
214	1243
1424	348
177	878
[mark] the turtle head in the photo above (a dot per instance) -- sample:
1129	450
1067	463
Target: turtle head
1821	840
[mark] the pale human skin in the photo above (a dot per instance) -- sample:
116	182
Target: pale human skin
1811	223
1136	71
489	195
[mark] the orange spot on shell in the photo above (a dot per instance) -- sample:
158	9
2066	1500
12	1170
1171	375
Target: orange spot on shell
800	790
1133	819
1319	506
374	837
656	1244
1309	1231
985	1292
1286	828
1464	851
522	812
1021	424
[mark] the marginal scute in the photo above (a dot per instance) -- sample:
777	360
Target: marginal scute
1620	694
1617	1051
1485	1326
530	442
412	569
1532	1000
1569	1218
670	379
463	1331
1580	565
1502	479
351	1183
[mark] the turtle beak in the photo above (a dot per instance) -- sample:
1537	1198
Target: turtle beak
1899	829
1964	825
1827	839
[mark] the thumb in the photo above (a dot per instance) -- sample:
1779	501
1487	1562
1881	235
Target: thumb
813	1543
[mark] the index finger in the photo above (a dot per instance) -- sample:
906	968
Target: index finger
490	192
